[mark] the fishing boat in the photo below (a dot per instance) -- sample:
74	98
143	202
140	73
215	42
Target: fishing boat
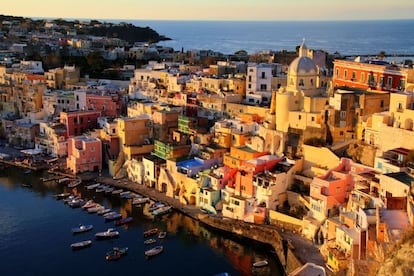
109	214
118	191
82	228
81	244
100	188
150	241
116	253
109	189
154	251
108	234
62	195
260	263
74	183
162	210
95	209
124	194
89	204
123	221
150	232
27	171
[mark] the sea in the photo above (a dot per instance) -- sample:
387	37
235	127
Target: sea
35	237
369	37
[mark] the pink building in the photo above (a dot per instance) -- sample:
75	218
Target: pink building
84	154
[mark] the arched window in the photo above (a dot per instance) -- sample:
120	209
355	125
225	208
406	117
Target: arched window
311	82
301	82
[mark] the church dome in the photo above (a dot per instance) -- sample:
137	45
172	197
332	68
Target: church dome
303	66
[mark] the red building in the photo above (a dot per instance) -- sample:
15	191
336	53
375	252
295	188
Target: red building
84	154
78	122
109	105
371	74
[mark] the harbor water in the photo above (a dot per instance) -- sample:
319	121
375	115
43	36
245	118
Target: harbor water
35	236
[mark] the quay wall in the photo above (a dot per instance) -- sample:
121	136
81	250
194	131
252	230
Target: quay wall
259	233
284	221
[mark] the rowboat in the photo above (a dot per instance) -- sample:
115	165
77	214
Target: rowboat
89	204
150	241
82	228
62	195
155	206
104	211
81	244
124	221
108	234
113	217
76	203
92	186
154	251
116	253
118	191
140	200
161	211
260	263
95	209
162	235
150	232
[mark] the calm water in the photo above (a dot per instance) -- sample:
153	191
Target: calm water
345	37
35	238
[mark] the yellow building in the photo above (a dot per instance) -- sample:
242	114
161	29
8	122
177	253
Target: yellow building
135	136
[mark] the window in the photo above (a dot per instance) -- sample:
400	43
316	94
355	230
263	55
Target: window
381	82
263	75
402	83
362	77
313	119
353	75
250	78
263	87
389	82
382	104
345	74
299	117
301	82
343	114
337	73
311	82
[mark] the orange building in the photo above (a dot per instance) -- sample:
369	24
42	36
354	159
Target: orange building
371	74
84	154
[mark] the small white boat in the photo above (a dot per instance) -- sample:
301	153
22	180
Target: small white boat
154	251
113	217
81	244
82	228
108	234
155	206
162	210
76	203
260	263
92	186
74	183
101	188
140	200
89	204
109	214
104	211
124	194
118	191
150	241
95	209
162	235
109	189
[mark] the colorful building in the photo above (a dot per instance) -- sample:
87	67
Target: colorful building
84	154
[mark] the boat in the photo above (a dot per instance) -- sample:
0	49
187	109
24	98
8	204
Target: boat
116	253
161	211
124	194
100	188
95	209
113	217
62	195
108	234
63	180
82	228
104	211
74	183
81	244
260	263
47	179
140	200
222	274
150	241
155	206
109	189
27	171
123	221
162	235
70	198
76	203
27	185
150	232
118	191
109	214
89	204
154	251
92	186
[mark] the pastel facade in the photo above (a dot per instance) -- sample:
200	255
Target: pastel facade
372	74
135	136
79	122
24	135
52	139
84	154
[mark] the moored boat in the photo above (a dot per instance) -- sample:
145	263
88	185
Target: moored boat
150	232
124	194
260	263
104	211
154	251
140	200
113	217
150	241
108	234
62	195
74	183
82	228
89	204
92	186
155	206
162	235
109	189
81	244
123	221
162	210
116	253
76	203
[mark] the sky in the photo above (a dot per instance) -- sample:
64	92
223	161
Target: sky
272	10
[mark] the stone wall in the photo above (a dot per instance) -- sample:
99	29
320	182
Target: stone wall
259	233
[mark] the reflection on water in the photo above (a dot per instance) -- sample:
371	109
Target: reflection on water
188	233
